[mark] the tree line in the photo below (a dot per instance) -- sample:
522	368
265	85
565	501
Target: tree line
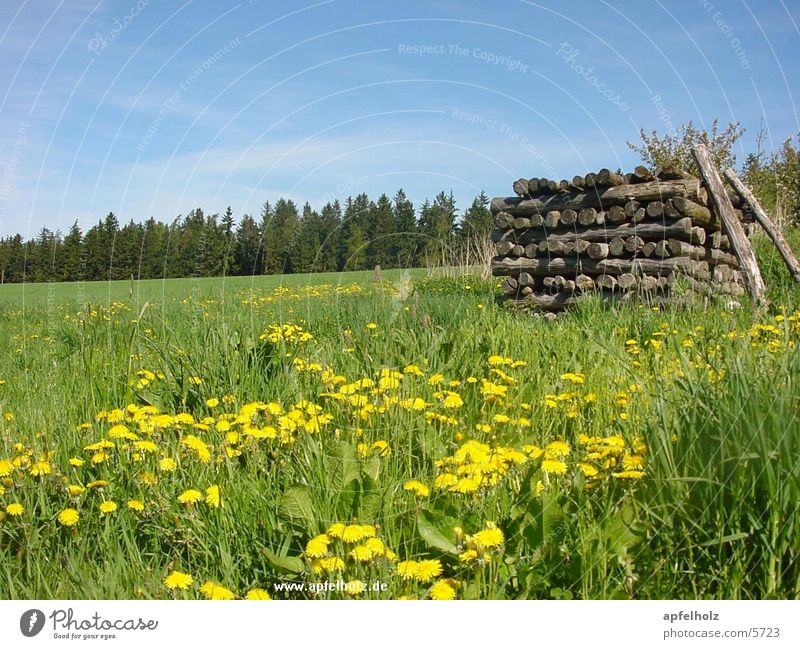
356	235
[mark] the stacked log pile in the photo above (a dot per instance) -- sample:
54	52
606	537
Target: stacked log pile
622	236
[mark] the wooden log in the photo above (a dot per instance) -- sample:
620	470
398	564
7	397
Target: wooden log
634	244
537	220
649	248
578	182
609	178
551	247
607	282
730	224
699	214
698	236
597	250
655	209
616	246
564	185
601	217
518	250
526	279
552	219
563	266
526	290
765	222
639	215
681	229
627	281
569	247
616	214
631	207
544	185
521	223
510	286
532	250
601	198
581	246
584	283
569	286
670	172
719	240
587	216
670	211
722	273
569	217
713	256
520	187
533	186
590	179
662	250
648	283
630	178
643	174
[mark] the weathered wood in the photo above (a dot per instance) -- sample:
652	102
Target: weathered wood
616	246
569	247
601	198
698	236
590	179
562	266
631	207
551	247
713	256
609	178
730	224
597	250
643	174
552	219
648	283
608	282
518	250
649	248
634	244
639	215
655	209
584	283
719	240
504	247
627	281
662	250
699	214
510	286
616	214
520	187
670	211
669	172
581	246
587	216
521	222
569	217
578	182
526	279
765	222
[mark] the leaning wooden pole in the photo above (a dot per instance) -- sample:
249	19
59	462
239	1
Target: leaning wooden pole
769	227
730	224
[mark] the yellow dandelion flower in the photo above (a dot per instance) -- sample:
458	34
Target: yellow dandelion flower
15	509
336	530
212	496
427	570
68	517
257	593
355	587
444	589
76	462
318	546
75	490
212	403
554	466
178	581
190	496
167	464
216	591
491	537
136	505
108	507
417	488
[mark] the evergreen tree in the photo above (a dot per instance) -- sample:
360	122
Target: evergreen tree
278	237
381	233
248	245
330	237
477	221
406	239
71	255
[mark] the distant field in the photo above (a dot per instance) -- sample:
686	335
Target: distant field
266	437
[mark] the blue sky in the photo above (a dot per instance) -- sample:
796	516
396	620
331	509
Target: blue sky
150	108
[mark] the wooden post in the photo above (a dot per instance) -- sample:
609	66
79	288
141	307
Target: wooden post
739	241
766	223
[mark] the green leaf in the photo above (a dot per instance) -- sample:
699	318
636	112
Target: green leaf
430	527
295	504
290	565
345	466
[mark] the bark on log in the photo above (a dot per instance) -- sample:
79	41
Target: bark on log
504	247
609	178
578	182
520	187
604	198
670	211
700	215
681	229
616	214
769	227
712	255
559	265
730	224
616	246
597	250
643	174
